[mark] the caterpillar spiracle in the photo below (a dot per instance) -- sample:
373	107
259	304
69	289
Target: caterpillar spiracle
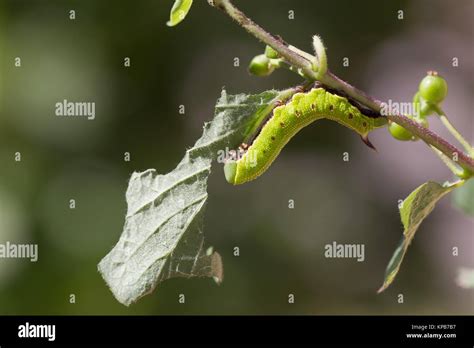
251	161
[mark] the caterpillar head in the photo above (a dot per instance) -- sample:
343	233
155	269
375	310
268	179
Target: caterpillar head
230	171
230	165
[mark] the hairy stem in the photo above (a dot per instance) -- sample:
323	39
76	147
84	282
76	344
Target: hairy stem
257	31
450	164
332	81
455	132
433	139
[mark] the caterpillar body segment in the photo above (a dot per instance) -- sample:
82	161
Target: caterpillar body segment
287	120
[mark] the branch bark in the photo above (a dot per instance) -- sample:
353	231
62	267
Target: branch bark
332	81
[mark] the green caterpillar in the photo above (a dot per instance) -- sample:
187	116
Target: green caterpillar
249	162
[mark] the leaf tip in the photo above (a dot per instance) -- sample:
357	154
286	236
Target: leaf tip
382	288
179	11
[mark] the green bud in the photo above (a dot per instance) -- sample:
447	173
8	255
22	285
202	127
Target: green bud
271	53
416	98
260	66
433	88
426	108
465	174
399	133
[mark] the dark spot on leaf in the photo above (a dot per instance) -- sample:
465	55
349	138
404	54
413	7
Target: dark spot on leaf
350	115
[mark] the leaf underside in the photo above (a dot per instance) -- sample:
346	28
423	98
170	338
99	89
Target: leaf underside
163	233
414	209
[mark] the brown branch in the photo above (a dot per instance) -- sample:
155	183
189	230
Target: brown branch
332	81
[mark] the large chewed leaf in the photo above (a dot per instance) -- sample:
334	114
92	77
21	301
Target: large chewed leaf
463	197
163	233
414	209
179	10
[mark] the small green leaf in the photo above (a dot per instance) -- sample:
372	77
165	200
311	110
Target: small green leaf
179	11
163	233
414	209
463	197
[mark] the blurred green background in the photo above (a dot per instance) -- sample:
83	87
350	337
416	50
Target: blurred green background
281	249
